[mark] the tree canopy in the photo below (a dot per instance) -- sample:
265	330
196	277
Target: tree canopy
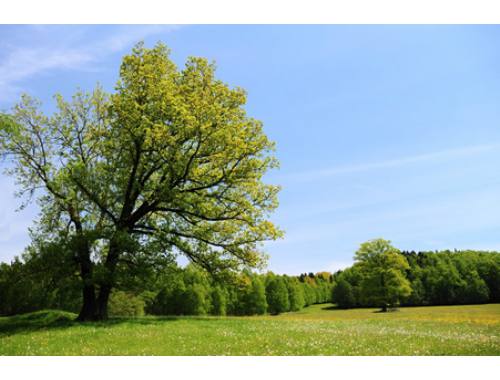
383	269
169	164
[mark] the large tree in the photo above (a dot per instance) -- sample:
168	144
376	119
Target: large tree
168	164
383	268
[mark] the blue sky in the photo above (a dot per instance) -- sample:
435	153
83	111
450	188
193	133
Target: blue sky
382	131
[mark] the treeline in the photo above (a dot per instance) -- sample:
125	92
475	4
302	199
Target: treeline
382	276
191	291
28	286
435	278
36	284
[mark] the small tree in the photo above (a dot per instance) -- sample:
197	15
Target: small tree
342	294
384	280
277	296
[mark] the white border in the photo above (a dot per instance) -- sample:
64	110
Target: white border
250	11
248	368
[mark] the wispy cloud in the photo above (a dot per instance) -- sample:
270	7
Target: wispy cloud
23	63
447	154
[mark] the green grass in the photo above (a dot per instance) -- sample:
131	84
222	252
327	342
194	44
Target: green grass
316	330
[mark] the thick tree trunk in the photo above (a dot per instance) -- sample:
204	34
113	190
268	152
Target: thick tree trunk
106	286
88	311
102	302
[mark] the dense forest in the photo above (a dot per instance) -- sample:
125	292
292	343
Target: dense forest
435	278
37	281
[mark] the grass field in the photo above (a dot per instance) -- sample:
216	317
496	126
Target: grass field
316	330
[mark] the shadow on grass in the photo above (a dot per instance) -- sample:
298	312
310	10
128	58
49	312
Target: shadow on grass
35	321
392	310
55	319
331	308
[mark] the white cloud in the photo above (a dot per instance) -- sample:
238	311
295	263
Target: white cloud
23	63
397	162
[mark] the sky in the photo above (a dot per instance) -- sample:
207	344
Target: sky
381	131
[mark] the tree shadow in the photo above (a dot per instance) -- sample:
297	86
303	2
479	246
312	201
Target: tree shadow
331	308
35	321
390	310
55	319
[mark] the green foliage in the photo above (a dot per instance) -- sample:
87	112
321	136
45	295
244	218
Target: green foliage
310	296
383	269
295	293
277	295
169	164
256	302
124	304
435	278
438	278
195	301
219	301
45	278
343	295
459	277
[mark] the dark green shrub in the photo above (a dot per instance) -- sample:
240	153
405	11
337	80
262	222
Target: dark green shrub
122	304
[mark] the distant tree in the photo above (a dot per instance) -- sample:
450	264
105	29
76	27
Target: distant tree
196	300
277	296
309	294
295	294
476	290
219	301
384	278
354	276
488	268
256	302
342	294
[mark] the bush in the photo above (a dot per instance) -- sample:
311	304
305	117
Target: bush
125	305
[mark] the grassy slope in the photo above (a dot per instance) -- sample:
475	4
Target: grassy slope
317	330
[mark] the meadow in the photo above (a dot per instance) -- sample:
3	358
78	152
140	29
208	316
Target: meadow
315	330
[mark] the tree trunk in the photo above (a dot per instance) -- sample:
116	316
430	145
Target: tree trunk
106	286
88	311
102	302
